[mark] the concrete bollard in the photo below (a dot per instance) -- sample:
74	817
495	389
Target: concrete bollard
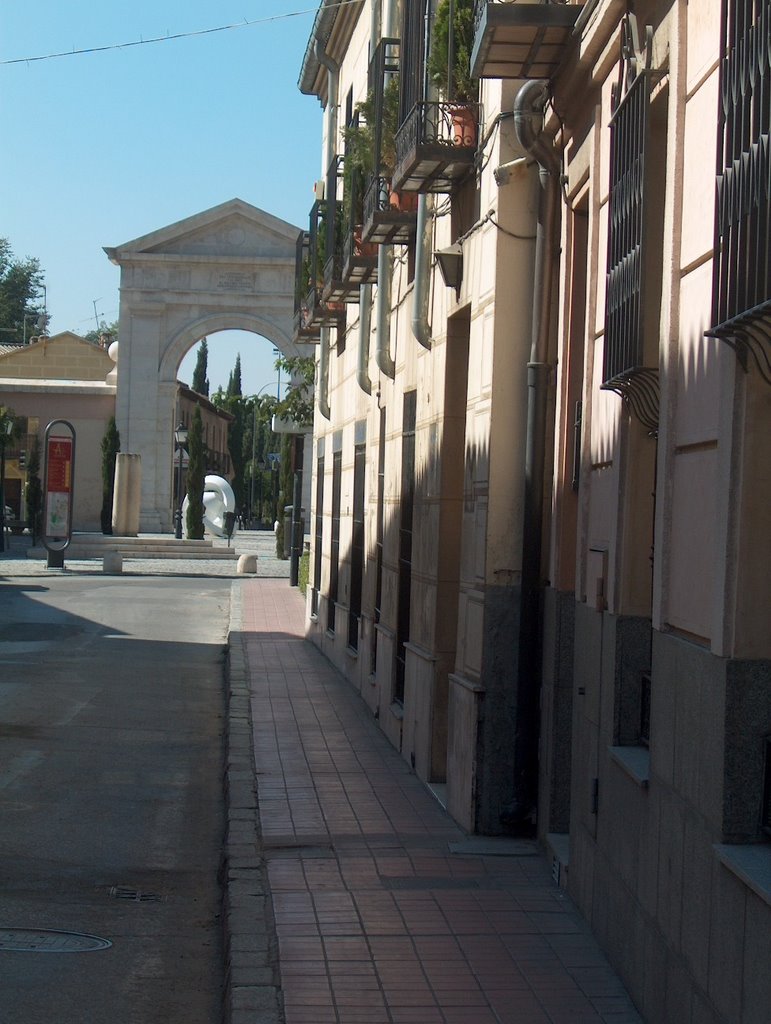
247	563
112	562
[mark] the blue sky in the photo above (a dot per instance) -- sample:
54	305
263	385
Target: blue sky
104	147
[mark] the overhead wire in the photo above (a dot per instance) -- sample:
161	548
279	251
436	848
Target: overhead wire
169	37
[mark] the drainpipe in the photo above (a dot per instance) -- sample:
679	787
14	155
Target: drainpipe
420	326
385	262
365	320
528	122
333	77
385	256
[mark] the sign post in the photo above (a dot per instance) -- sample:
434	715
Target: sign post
58	490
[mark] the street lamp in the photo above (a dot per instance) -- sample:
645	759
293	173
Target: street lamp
180	437
6	429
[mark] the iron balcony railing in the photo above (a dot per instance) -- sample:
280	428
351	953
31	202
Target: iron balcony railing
390	218
436	146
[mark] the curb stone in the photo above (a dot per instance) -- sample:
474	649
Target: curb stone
252	979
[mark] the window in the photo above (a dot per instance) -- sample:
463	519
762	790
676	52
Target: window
318	529
334	547
635	237
357	545
405	539
765	819
742	270
379	534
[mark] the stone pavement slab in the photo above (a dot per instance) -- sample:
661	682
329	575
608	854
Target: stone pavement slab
377	907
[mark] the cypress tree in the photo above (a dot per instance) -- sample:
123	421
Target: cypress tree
195	478
234	380
110	449
200	381
34	494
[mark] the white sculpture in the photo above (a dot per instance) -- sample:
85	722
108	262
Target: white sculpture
218	499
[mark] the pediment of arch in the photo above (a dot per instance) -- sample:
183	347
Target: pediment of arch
232	231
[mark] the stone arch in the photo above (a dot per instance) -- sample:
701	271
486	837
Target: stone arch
229	268
190	334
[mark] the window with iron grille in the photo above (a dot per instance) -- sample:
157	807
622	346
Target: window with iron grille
645	709
413	56
405	539
379	530
765	820
742	268
357	545
334	546
638	160
318	528
624	307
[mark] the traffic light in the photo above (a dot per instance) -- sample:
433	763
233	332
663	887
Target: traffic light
22	459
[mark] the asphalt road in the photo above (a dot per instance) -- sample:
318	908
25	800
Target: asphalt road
111	804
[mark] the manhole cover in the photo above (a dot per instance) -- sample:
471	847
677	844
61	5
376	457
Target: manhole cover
49	940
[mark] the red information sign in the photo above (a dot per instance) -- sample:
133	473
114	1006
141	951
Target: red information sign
59	485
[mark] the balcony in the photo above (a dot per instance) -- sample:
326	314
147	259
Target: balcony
359	259
521	40
390	218
436	146
321	311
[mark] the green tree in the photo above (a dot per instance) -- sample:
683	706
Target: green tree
195	478
297	404
259	441
285	489
110	449
103	330
21	282
34	492
234	380
200	381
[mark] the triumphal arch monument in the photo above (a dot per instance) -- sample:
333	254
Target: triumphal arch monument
229	268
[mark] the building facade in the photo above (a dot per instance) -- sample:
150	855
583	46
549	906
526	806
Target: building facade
537	272
63	377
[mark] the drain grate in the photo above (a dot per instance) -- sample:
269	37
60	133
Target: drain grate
125	892
49	940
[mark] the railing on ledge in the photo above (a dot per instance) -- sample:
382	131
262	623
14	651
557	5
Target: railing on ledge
521	40
320	312
302	329
390	218
749	335
359	260
639	389
436	146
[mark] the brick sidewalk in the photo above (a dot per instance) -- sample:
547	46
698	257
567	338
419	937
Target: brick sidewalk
385	910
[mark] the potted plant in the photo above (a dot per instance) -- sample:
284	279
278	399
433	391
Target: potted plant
372	138
449	68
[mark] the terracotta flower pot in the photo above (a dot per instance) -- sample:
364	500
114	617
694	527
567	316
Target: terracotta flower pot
406	202
464	126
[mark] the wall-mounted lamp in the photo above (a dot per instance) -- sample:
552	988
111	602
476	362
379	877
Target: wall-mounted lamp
450	262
